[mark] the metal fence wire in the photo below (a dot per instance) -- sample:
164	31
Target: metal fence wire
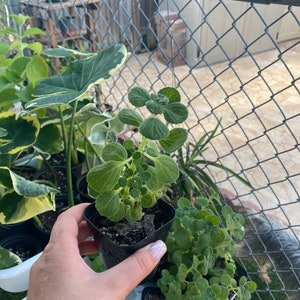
234	61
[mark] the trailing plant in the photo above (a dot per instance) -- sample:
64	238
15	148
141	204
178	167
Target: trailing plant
133	175
201	253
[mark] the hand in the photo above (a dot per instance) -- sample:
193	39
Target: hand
61	273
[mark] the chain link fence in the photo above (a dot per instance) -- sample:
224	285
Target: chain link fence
233	61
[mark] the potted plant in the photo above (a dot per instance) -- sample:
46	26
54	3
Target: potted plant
66	94
132	178
201	250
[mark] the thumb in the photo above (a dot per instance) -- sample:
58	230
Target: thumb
138	266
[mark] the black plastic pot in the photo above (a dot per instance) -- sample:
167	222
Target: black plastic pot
82	191
11	229
113	253
22	244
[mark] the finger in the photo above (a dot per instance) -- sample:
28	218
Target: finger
66	226
139	265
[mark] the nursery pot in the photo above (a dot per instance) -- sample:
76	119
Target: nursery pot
82	190
113	253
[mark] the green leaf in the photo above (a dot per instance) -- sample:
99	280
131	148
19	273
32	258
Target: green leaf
37	69
114	152
154	107
108	204
23	198
138	96
49	139
175	113
33	31
105	177
174	140
8	259
171	93
16	71
130	117
154	129
36	47
183	238
21	132
78	78
166	169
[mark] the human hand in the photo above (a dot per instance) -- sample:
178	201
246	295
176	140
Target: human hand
61	273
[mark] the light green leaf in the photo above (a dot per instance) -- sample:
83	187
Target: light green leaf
104	177
166	169
108	204
37	69
114	152
8	259
154	129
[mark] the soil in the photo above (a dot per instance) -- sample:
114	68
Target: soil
48	218
58	177
126	233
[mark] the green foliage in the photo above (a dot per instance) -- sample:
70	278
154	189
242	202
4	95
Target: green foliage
19	73
193	179
134	174
200	253
8	259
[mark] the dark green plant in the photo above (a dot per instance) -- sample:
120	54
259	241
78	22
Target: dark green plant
201	253
133	175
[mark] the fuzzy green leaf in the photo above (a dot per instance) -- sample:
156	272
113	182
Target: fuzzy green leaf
171	93
138	96
154	129
174	140
114	152
130	117
104	177
175	113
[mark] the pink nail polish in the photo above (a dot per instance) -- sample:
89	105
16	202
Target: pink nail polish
158	249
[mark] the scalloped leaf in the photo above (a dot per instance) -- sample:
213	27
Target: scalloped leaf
174	140
114	152
138	96
130	117
104	177
175	113
154	129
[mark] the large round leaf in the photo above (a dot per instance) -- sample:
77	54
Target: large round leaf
78	78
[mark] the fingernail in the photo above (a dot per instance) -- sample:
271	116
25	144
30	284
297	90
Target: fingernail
158	249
